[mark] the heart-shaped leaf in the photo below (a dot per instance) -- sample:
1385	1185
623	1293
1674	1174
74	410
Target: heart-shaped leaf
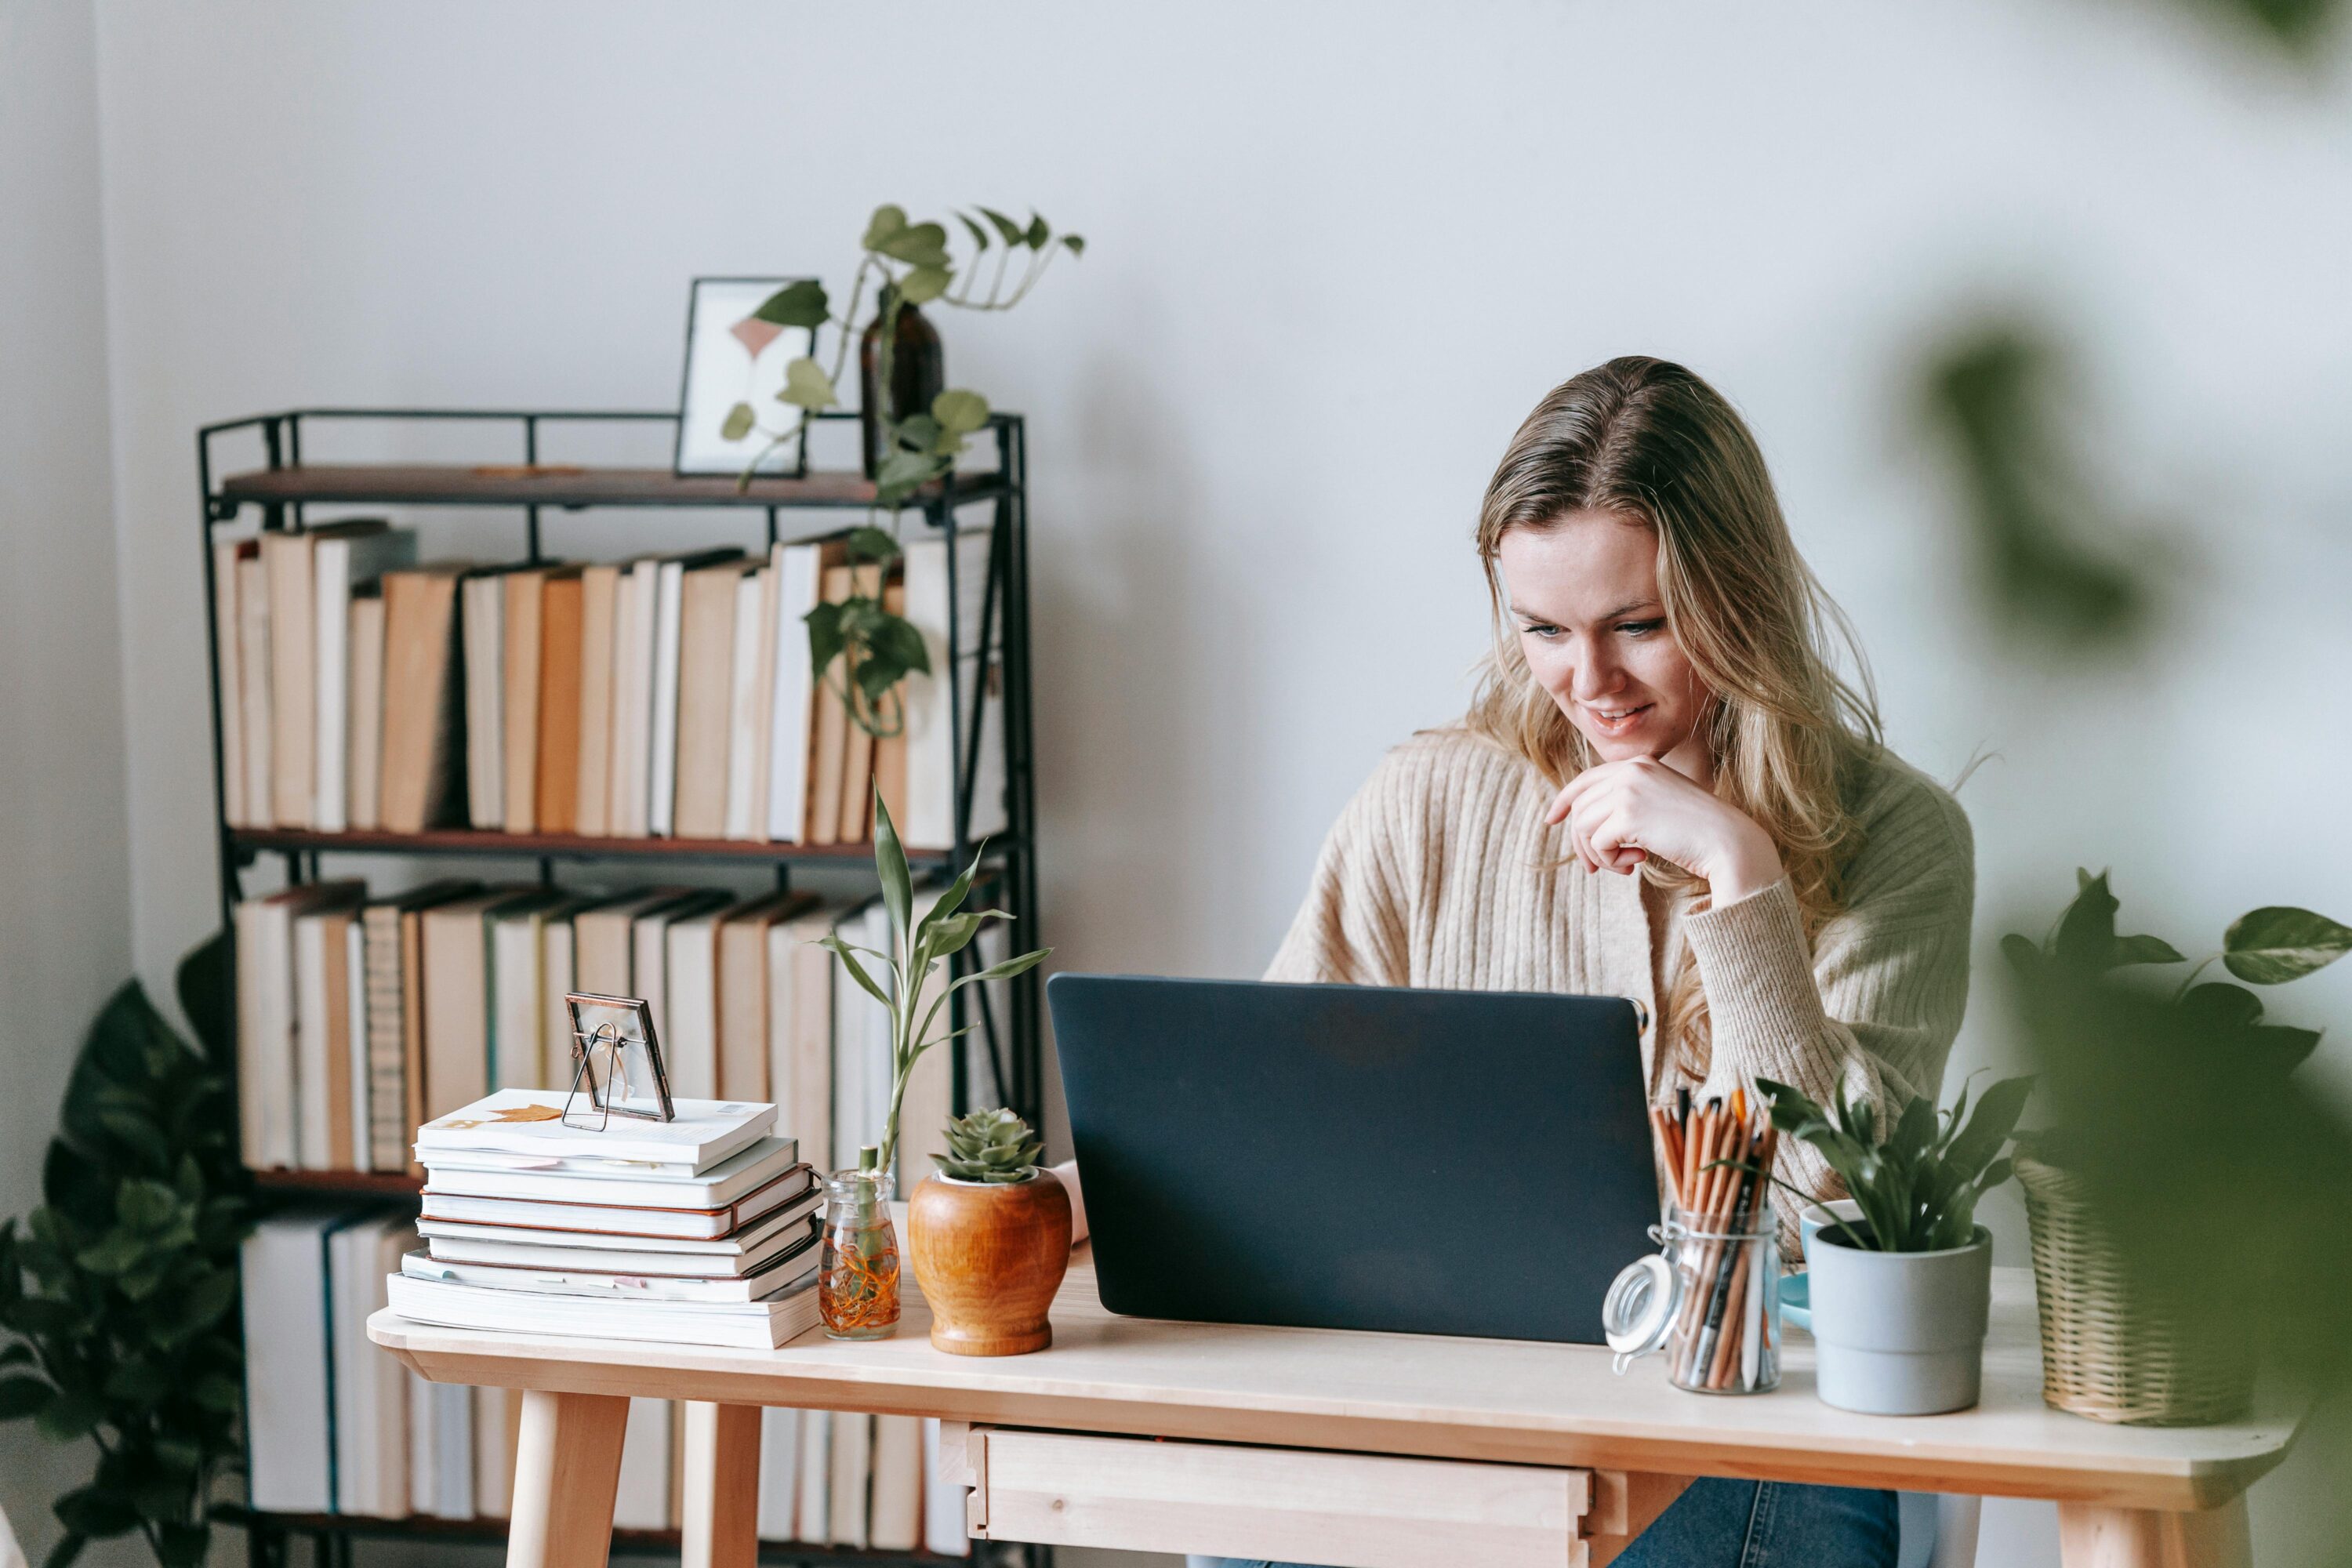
1037	234
1077	245
807	386
2217	1008
823	625
2272	945
800	303
978	235
926	282
886	221
2145	950
871	546
960	412
737	422
918	245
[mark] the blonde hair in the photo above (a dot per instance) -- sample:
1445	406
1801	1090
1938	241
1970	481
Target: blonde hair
1652	445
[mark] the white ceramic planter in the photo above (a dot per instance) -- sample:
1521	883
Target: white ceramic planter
1900	1333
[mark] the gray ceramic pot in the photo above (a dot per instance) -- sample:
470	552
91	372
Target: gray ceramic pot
1900	1333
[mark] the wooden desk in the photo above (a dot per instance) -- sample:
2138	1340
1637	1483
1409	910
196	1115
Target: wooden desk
1609	1450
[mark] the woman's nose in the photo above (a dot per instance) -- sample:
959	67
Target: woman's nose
1595	675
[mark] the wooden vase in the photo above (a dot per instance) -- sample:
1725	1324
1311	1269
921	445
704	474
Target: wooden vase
989	1257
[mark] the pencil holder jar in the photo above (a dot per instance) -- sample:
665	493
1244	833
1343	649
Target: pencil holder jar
1710	1301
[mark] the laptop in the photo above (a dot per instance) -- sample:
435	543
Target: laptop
1356	1157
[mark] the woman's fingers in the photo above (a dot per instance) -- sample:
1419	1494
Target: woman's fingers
1575	790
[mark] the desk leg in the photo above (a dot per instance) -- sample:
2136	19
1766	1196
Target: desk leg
2090	1536
567	1468
720	1508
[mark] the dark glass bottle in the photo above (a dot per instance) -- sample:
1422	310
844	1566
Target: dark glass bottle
918	373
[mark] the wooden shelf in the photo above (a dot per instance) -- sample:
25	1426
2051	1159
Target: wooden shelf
460	484
572	846
632	1542
387	1184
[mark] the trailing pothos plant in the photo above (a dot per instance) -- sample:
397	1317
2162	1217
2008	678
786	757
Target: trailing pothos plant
2081	978
907	263
1916	1179
118	1297
922	945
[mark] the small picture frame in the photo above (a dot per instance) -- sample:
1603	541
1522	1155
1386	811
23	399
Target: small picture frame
616	1062
734	358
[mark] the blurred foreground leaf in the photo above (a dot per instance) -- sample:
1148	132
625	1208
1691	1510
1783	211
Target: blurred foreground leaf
1989	398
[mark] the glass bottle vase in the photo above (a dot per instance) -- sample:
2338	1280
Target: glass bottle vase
857	1275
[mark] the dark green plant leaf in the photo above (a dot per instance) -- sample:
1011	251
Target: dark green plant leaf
69	1547
218	1394
71	1414
118	1251
2086	932
825	635
842	951
97	1512
919	433
2276	1047
2219	1008
1077	245
871	546
1997	1111
23	1396
1012	966
737	422
1012	233
203	984
40	1316
1038	232
2146	949
904	472
801	303
890	866
978	235
2272	945
181	1545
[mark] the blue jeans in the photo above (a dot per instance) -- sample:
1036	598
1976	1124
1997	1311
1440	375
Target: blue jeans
1747	1524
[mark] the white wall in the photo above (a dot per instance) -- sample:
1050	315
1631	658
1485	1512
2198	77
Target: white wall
1337	252
65	873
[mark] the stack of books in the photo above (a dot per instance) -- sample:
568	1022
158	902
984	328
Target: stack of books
701	1230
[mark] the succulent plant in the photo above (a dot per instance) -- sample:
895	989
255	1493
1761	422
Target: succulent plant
990	1146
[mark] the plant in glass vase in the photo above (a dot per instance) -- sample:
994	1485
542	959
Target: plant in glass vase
913	433
858	1278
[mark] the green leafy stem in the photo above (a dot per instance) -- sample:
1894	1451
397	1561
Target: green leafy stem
922	946
907	264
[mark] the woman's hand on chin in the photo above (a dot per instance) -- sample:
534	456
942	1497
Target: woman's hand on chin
1618	813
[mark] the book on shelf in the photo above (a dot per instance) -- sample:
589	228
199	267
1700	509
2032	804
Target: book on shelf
562	673
649	960
228	696
743	976
930	730
363	770
644	1499
423	729
348	561
253	683
600	588
751	704
269	1021
370	1389
829	728
698	761
853	1477
779	1471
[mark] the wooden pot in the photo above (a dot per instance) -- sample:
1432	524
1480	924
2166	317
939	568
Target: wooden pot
989	1257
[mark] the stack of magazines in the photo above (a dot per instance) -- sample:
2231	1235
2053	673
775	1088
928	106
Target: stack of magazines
701	1230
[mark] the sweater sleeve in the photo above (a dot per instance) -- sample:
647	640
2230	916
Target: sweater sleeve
1874	1006
1352	928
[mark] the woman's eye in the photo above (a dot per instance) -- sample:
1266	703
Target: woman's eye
1541	629
1639	628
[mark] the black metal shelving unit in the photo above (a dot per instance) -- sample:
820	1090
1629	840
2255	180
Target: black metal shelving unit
812	504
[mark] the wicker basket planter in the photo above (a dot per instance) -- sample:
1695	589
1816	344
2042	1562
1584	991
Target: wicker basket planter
2104	1353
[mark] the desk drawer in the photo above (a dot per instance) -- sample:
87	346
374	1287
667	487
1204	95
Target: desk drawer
1351	1510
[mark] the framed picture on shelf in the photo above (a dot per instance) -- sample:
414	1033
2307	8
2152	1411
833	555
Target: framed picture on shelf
729	418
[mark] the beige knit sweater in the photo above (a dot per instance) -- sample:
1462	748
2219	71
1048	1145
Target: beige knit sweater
1441	872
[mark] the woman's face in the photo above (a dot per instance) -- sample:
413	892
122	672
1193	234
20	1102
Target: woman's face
1583	596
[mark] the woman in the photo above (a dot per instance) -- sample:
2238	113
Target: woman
1663	790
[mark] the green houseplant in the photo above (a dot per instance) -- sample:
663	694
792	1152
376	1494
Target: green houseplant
857	1278
990	1237
118	1297
908	264
1899	1299
2146	1346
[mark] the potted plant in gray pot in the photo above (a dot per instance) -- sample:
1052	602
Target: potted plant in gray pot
1899	1297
